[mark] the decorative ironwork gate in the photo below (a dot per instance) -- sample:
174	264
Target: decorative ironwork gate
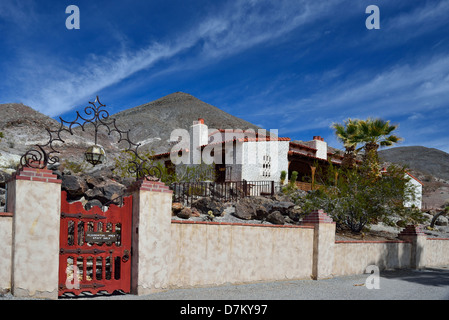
95	248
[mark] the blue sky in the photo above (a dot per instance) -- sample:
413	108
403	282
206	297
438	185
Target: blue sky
296	66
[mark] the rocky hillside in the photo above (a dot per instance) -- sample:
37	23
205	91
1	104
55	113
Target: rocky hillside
427	160
151	125
430	166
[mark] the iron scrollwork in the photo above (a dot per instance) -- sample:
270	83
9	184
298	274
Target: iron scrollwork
42	155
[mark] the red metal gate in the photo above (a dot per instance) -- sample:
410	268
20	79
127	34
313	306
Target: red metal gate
95	248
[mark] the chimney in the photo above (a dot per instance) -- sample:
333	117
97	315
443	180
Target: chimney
320	145
199	133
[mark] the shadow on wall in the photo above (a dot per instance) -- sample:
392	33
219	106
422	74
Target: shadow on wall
391	256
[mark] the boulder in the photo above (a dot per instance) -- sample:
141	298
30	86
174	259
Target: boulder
75	186
176	207
261	212
105	190
92	203
185	213
112	190
276	217
94	193
245	209
442	221
195	212
4	178
205	204
295	213
263	201
283	207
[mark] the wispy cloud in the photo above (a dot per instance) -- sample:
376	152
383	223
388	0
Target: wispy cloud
240	25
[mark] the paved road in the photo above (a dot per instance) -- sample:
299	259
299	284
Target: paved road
428	284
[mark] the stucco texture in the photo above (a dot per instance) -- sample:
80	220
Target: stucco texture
36	239
353	257
207	254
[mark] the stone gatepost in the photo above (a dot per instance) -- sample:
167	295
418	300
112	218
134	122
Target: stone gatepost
152	202
34	199
418	239
323	243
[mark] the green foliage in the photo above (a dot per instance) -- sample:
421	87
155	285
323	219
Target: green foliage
293	177
355	200
283	176
372	134
123	164
291	186
73	166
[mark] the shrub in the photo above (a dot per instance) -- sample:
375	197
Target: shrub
283	176
355	200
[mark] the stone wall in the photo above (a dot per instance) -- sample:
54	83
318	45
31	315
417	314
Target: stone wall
170	253
208	253
352	257
5	250
437	252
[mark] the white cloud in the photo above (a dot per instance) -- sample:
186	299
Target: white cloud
53	85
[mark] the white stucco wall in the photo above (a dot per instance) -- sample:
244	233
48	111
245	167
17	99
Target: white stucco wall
253	159
321	148
418	193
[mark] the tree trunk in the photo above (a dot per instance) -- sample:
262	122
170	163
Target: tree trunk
348	161
371	159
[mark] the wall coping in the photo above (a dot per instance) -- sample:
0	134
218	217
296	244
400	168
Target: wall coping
35	174
6	214
437	238
147	185
240	224
371	241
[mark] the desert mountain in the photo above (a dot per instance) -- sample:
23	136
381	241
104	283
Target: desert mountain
427	160
151	125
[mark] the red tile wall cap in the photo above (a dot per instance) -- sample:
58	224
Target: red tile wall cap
34	174
369	241
147	185
240	224
6	214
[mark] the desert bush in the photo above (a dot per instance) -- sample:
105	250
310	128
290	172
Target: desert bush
356	200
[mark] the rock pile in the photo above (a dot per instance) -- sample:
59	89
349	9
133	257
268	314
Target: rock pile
278	209
99	188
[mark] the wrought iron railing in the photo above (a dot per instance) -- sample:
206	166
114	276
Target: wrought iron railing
187	192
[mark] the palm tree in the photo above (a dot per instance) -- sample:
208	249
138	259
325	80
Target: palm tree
375	133
348	134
